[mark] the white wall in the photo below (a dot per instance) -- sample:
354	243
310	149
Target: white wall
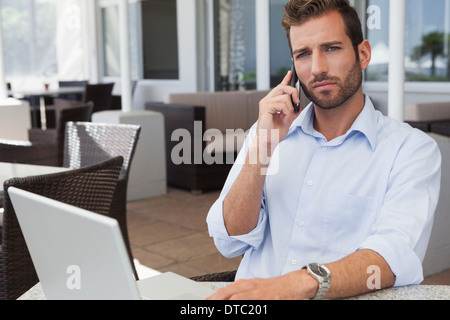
155	90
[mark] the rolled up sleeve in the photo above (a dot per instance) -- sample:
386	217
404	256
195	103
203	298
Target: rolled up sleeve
229	246
403	226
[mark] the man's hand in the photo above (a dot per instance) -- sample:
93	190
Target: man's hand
294	286
276	111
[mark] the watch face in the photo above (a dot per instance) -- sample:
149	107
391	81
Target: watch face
318	269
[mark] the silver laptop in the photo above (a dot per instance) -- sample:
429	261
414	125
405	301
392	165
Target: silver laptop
79	254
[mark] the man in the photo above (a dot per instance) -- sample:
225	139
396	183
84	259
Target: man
349	204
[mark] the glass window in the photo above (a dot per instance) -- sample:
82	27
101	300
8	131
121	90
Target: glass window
70	45
111	40
235	37
160	39
280	53
29	34
43	42
427	41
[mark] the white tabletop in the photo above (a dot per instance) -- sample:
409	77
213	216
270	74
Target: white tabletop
417	292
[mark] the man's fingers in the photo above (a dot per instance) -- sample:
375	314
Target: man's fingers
230	291
287	78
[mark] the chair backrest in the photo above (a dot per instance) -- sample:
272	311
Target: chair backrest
68	111
65	112
89	142
91	188
100	94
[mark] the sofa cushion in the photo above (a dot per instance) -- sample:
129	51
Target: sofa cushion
423	112
224	110
230	142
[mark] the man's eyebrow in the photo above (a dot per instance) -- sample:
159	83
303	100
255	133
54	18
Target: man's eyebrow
331	43
299	50
323	45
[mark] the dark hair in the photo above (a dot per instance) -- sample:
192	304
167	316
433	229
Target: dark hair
297	12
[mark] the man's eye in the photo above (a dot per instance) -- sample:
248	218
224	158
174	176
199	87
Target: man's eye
302	55
333	48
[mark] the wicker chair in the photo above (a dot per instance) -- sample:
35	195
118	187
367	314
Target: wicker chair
91	188
30	153
227	276
87	143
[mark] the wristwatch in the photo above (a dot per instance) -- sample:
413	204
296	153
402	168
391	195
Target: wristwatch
322	275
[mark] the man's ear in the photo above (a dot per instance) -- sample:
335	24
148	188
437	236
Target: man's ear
365	54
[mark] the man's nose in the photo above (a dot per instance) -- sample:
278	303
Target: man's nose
319	64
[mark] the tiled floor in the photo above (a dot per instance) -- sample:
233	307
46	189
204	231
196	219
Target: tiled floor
169	233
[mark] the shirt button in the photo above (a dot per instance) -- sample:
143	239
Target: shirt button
294	262
310	183
301	223
324	148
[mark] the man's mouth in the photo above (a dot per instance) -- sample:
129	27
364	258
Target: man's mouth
324	85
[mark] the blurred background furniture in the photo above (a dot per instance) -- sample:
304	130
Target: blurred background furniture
87	143
65	110
148	173
77	91
116	99
15	119
91	188
100	94
429	117
222	111
72	96
37	100
45	147
63	85
41	102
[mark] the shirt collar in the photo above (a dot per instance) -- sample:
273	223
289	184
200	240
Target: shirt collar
366	123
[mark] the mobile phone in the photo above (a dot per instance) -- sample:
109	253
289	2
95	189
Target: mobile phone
293	83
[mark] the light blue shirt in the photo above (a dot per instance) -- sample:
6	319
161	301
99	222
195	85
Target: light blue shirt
376	187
